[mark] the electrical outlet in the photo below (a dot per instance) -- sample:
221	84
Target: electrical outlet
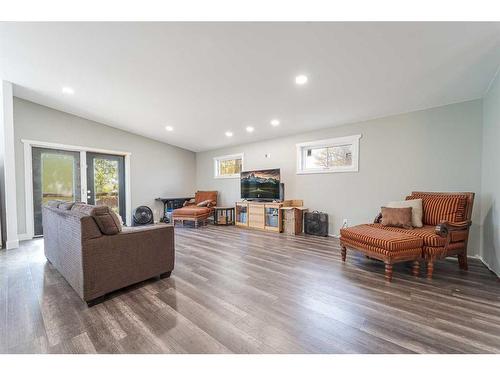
345	223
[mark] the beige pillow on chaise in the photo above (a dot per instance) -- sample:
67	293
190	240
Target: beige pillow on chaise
416	210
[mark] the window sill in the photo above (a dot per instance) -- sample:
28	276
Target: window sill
228	176
322	171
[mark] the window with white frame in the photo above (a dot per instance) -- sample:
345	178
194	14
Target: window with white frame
228	166
329	155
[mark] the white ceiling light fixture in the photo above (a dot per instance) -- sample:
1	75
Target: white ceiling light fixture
250	129
229	134
275	122
301	80
169	128
67	90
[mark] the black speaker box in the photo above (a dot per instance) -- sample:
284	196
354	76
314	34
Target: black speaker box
316	223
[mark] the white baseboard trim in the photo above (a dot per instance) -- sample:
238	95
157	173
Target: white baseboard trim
486	264
13	244
24	237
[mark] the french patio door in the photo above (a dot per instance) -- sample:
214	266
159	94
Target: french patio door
106	181
57	175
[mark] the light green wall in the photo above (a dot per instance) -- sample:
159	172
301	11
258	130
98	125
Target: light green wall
438	149
157	169
490	239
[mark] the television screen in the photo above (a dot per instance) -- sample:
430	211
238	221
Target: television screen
260	185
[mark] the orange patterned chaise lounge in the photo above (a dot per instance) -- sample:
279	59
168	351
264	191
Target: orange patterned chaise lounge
199	210
446	219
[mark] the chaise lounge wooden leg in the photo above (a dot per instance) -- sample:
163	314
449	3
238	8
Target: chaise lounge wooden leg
343	251
415	268
388	271
462	262
430	268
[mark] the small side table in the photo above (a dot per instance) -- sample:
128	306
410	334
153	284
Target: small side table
224	215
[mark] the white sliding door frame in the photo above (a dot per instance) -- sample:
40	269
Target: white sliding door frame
28	177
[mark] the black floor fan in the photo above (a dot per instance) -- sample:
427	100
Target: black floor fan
142	216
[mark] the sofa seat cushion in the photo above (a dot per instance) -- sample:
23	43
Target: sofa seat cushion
192	211
427	233
384	240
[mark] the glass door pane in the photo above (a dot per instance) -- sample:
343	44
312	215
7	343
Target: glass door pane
105	181
56	176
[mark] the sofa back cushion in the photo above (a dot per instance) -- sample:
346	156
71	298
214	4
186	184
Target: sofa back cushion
201	196
108	222
437	207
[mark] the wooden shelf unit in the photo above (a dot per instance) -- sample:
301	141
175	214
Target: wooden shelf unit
262	215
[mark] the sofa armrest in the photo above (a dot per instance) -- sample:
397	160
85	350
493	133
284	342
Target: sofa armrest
453	231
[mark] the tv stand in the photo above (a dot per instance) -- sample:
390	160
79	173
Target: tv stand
262	215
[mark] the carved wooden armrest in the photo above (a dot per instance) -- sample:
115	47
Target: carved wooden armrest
378	218
444	228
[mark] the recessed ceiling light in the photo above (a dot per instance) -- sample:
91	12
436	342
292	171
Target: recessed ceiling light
250	129
68	90
275	122
229	134
169	128
301	80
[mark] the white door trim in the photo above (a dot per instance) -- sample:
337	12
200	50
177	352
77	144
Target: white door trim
28	177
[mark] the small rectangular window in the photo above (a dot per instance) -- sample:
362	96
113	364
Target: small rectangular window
328	155
228	166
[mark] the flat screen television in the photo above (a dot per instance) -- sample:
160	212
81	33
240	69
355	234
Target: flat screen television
261	185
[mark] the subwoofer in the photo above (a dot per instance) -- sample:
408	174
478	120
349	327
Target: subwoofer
316	223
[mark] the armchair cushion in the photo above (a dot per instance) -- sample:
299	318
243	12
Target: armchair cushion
192	211
427	233
201	196
442	207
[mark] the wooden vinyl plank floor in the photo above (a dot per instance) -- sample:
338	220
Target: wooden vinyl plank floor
240	291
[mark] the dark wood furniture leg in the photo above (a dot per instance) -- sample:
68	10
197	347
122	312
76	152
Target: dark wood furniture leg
415	268
430	268
388	271
344	253
462	261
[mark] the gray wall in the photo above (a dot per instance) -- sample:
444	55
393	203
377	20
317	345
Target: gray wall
156	169
490	210
436	149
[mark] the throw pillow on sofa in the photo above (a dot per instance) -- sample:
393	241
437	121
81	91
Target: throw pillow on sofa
417	211
397	217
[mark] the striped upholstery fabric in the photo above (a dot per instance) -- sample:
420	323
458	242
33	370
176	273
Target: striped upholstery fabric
442	207
427	233
377	250
441	252
382	239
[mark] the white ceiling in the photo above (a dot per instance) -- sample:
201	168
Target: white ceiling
207	78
